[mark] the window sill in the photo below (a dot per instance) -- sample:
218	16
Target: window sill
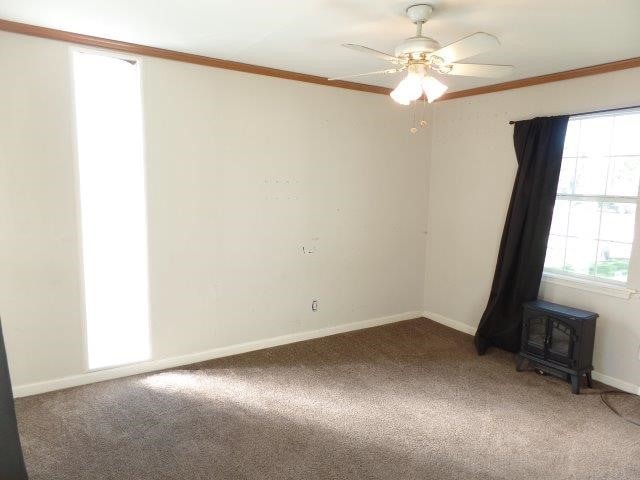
618	291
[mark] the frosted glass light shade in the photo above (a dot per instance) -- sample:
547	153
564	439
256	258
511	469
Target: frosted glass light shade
433	88
409	89
399	96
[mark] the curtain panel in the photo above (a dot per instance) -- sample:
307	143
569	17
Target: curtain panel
538	147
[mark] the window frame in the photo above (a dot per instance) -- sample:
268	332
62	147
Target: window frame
592	283
139	61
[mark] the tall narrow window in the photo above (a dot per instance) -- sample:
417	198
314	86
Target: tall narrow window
113	208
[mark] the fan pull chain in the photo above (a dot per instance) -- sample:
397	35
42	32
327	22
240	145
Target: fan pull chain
414	129
423	122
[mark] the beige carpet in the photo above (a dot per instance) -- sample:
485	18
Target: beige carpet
405	401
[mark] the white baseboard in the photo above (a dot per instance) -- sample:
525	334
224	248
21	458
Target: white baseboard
161	364
164	363
616	383
600	377
455	324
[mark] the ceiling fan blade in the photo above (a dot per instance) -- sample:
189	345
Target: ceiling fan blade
370	51
477	70
474	44
379	72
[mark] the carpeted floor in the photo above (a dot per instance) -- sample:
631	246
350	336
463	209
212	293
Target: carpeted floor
404	401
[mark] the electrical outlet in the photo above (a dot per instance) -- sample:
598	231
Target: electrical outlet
314	305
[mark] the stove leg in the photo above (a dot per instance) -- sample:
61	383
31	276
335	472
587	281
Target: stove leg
589	382
520	364
575	384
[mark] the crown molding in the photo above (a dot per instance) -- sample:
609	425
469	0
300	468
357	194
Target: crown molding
549	78
88	40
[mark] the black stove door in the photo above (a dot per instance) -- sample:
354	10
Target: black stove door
534	334
560	345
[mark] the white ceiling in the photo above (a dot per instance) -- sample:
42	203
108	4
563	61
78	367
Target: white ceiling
537	36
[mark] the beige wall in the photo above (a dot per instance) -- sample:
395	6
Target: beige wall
243	171
471	176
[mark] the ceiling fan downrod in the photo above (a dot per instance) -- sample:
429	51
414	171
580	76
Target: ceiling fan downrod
419	14
418	46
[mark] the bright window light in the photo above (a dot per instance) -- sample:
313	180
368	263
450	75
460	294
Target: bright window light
113	208
594	218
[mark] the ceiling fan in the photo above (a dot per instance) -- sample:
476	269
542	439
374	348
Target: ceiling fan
419	55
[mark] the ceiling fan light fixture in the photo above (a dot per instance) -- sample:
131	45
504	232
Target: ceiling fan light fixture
433	88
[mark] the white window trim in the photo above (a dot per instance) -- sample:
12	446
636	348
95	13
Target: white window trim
589	285
595	284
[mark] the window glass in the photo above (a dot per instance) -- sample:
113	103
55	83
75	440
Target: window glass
594	218
112	208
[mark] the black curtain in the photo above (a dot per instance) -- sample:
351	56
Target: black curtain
538	145
11	461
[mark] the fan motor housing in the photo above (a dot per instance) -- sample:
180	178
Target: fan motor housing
414	46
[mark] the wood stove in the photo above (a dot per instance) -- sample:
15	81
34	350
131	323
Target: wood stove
558	340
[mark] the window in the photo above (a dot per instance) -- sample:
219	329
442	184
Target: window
112	208
594	217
